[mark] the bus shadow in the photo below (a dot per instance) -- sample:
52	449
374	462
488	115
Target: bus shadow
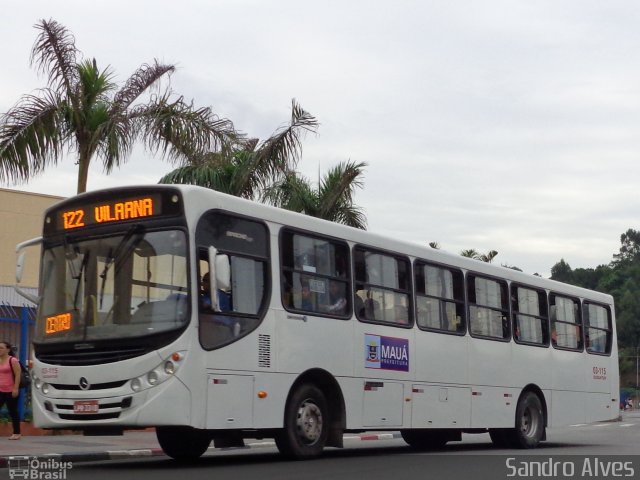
252	457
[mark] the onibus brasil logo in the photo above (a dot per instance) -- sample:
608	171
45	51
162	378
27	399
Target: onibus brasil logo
34	468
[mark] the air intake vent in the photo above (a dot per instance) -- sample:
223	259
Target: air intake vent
97	386
91	357
264	351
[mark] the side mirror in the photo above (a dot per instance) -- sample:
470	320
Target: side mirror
20	261
223	272
20	266
219	276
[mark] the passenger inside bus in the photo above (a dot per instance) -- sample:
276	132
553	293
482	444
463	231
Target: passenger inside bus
224	305
371	306
337	301
224	298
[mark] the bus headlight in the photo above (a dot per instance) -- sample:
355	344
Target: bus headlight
45	388
160	373
152	378
37	383
169	368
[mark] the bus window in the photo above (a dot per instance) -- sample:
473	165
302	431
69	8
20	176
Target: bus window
239	307
439	298
383	283
315	275
566	324
530	318
597	321
488	307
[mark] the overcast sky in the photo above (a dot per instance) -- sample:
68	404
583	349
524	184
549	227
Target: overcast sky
507	125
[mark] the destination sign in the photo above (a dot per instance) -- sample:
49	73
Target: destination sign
58	323
109	212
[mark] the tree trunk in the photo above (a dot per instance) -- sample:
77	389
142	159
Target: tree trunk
83	172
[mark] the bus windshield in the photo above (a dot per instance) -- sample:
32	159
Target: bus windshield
128	285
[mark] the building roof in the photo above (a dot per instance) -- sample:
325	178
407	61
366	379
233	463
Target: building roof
9	296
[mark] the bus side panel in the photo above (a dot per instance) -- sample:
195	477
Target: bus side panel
440	397
441	358
602	403
305	342
567	408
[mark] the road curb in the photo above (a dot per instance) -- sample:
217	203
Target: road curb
123	454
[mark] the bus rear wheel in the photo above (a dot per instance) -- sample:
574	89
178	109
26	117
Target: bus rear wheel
306	424
424	439
530	422
183	443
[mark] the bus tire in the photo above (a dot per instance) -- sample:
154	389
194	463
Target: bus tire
306	424
424	439
530	422
183	443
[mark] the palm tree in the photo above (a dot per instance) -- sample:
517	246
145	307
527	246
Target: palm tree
470	253
250	167
489	256
80	110
484	257
331	200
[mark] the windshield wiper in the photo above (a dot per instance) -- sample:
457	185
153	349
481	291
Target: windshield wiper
83	265
130	240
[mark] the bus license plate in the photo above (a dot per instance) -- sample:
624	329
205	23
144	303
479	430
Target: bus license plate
85	406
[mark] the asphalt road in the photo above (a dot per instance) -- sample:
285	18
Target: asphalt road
580	451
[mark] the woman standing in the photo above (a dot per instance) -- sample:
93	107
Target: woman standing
9	386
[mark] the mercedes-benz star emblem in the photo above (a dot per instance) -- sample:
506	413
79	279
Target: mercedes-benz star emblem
84	383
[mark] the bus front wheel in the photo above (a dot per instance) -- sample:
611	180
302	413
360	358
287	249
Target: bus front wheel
530	422
183	443
306	424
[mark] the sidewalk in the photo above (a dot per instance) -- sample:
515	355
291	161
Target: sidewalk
78	448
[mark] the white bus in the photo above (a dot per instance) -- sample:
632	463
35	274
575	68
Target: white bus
306	330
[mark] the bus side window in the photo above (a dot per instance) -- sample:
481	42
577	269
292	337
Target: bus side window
315	275
385	282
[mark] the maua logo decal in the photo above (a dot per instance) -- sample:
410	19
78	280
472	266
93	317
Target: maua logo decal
386	353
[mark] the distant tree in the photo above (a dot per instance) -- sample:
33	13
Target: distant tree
562	272
81	110
512	267
470	253
332	199
489	256
252	166
629	248
435	245
484	257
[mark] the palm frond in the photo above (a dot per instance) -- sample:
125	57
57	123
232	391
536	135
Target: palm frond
339	184
138	83
204	176
95	84
54	54
280	152
32	135
114	141
175	128
470	253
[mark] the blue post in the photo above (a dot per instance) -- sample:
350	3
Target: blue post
22	352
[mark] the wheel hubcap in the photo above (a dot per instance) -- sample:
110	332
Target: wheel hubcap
309	422
530	422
